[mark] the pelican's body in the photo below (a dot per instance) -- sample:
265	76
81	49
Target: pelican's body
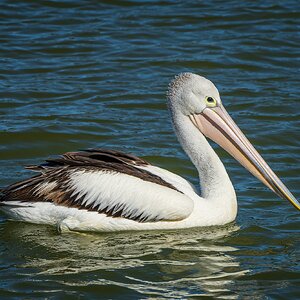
163	206
103	190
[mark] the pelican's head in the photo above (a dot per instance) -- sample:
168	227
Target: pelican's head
197	98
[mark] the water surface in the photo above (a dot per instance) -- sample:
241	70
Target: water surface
80	74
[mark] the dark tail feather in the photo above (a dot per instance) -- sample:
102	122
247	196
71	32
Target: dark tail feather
12	205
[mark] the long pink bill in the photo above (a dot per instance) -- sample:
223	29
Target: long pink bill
216	124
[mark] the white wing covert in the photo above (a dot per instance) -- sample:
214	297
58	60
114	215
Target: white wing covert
122	195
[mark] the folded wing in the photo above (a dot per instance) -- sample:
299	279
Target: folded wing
108	182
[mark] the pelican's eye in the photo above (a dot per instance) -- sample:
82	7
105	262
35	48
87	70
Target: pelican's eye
210	101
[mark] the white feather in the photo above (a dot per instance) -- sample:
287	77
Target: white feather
177	181
131	194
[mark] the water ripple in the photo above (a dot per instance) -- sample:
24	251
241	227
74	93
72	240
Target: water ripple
87	74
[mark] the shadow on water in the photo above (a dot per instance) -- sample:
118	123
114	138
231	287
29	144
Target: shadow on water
171	264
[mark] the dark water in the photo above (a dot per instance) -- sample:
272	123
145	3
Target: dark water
79	74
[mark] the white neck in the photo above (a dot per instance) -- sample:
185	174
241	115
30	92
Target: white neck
214	180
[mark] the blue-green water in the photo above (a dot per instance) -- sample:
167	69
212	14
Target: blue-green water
79	74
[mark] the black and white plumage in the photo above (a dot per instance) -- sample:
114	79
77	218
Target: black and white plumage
83	179
105	190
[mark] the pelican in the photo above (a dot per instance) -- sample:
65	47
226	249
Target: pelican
105	190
